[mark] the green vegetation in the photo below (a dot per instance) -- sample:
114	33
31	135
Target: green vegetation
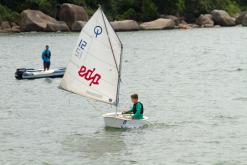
140	10
7	14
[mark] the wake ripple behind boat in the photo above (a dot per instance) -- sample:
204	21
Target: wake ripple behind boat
23	73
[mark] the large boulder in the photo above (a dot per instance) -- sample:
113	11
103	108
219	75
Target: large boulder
125	25
34	20
70	13
205	20
222	18
241	17
77	26
158	24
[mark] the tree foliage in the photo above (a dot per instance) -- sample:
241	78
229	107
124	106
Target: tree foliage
6	13
140	10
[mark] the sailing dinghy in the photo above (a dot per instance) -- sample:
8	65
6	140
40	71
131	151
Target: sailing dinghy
94	69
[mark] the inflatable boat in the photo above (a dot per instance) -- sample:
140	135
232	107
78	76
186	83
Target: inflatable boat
23	73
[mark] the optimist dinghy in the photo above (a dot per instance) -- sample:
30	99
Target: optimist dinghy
119	120
24	73
94	69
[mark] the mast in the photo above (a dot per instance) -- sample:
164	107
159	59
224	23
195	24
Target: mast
120	63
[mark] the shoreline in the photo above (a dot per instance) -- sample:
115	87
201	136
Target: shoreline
73	18
141	30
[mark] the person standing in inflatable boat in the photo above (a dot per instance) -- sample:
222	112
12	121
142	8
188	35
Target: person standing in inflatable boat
137	109
46	57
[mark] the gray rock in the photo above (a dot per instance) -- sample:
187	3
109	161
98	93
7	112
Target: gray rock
244	20
217	26
194	25
222	18
241	17
34	20
70	13
5	25
158	24
16	29
172	17
125	25
184	26
60	26
13	24
205	20
77	26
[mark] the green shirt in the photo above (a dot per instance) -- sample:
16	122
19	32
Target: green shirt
138	114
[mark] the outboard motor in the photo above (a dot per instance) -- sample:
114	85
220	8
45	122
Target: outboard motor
19	72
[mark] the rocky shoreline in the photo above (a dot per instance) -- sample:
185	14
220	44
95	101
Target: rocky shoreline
72	18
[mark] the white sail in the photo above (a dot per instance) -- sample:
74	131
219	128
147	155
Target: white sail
94	68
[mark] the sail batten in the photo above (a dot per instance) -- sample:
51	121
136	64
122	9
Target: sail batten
94	67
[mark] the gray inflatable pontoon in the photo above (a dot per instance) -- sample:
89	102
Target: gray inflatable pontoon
23	73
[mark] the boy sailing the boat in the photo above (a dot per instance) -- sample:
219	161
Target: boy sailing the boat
137	109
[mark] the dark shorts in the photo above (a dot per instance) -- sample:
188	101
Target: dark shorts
47	65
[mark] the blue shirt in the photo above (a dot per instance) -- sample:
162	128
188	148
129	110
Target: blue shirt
46	56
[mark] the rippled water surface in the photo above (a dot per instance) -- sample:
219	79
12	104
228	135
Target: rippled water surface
193	85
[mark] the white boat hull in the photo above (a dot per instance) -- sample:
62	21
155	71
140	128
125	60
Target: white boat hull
123	121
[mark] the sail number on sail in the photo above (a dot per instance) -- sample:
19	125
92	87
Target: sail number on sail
89	75
82	45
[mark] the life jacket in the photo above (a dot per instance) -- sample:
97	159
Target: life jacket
134	108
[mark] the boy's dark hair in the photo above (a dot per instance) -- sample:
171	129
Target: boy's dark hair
134	96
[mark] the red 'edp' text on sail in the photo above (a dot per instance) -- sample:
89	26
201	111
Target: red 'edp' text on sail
89	75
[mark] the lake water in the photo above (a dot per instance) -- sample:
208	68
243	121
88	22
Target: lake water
192	83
